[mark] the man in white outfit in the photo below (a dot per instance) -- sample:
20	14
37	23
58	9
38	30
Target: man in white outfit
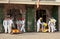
19	22
51	25
10	22
23	25
54	24
7	23
38	24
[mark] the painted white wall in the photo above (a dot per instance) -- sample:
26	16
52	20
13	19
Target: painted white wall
57	0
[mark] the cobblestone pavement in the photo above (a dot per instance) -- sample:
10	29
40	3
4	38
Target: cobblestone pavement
31	36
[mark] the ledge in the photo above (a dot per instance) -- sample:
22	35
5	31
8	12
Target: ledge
4	1
33	2
41	3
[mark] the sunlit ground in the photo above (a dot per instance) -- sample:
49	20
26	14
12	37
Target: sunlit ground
33	35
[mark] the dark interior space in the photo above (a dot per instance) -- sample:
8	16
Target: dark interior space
15	13
41	13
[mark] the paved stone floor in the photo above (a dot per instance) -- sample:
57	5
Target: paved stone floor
55	35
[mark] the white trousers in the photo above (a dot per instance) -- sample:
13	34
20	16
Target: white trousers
7	28
38	27
23	28
52	28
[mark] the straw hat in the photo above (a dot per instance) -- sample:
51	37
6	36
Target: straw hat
52	20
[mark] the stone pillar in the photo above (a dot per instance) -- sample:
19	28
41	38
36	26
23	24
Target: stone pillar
59	17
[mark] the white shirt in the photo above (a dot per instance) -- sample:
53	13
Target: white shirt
5	23
38	22
23	21
50	23
10	22
18	22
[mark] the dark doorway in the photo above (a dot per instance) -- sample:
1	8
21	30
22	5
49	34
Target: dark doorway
15	13
41	13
